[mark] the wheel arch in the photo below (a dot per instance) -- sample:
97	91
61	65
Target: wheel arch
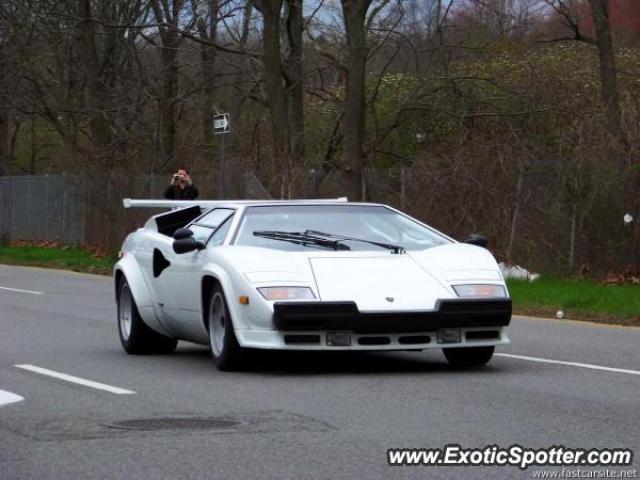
208	283
214	275
128	268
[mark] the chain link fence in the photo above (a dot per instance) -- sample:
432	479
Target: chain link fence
41	208
78	211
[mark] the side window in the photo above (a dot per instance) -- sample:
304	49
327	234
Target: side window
221	233
201	233
215	217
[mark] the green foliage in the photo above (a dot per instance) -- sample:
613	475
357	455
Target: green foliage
320	121
495	115
66	258
577	298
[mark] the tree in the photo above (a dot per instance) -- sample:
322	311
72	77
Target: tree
294	80
283	79
207	12
167	17
354	14
571	13
4	144
608	76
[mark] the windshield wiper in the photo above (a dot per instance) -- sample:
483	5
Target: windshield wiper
341	238
301	239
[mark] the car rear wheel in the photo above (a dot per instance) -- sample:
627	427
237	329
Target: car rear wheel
225	350
468	357
135	336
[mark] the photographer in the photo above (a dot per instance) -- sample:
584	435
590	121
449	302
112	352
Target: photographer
181	186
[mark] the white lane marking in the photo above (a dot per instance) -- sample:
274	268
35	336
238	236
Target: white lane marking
19	290
571	364
78	380
7	397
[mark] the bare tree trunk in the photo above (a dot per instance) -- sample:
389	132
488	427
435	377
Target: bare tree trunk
167	103
275	86
437	20
246	23
354	13
608	77
167	16
208	32
516	214
572	237
295	82
94	88
4	146
34	149
237	101
98	163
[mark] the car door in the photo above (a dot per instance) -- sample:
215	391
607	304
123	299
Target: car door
182	278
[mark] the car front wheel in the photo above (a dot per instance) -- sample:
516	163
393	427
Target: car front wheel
225	350
468	357
135	336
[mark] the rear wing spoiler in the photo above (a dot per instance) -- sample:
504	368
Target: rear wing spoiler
133	203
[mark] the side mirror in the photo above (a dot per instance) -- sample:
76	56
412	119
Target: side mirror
478	240
184	245
181	233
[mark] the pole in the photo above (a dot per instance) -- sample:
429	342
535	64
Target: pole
221	127
224	190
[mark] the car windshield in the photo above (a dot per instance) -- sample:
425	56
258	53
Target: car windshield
273	226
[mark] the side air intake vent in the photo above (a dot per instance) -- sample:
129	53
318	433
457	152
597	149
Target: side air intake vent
159	263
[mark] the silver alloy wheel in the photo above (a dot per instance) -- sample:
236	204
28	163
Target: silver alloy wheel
125	312
217	324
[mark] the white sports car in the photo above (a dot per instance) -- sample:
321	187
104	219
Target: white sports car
305	275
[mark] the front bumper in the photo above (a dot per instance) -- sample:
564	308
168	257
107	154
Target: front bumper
345	316
317	340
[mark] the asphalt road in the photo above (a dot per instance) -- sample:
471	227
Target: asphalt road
292	415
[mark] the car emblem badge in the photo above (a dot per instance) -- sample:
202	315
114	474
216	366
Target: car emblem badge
389	299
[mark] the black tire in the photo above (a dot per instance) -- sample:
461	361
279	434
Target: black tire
469	356
136	337
223	343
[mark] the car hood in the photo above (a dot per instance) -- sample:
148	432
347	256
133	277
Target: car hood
376	281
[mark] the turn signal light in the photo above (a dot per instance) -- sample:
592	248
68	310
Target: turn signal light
480	291
244	300
286	293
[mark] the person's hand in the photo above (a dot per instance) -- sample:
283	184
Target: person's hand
187	178
174	179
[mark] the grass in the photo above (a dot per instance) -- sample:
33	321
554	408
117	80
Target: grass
578	299
67	258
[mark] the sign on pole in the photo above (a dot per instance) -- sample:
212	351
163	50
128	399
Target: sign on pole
221	123
221	126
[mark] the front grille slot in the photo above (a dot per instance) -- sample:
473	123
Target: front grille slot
414	339
302	339
374	341
483	335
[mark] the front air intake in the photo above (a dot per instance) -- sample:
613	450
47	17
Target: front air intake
302	339
482	335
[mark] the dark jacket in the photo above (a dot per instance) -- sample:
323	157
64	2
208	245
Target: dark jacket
174	192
